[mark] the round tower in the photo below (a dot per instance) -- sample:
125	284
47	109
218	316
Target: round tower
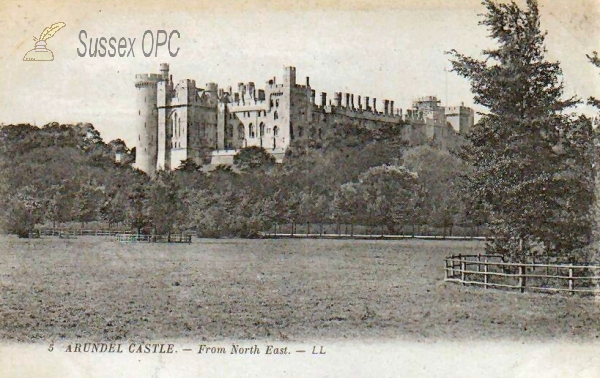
146	148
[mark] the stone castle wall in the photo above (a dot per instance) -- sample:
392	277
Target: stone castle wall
178	120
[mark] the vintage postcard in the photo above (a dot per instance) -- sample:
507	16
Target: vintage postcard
296	188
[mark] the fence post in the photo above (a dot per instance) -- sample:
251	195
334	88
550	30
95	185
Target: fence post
446	269
463	267
571	278
485	274
522	277
479	262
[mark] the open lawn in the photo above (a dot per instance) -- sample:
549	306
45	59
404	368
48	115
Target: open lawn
93	288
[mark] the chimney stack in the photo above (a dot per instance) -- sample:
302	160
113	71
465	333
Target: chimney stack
359	103
308	81
374	105
323	99
392	107
386	107
352	101
347	100
367	107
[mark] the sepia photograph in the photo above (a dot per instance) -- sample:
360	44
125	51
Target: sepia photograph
296	188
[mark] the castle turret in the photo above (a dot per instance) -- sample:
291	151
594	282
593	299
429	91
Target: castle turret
146	123
289	76
164	71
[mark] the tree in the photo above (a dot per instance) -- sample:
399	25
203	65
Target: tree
525	148
440	174
250	158
58	204
383	196
165	208
595	60
87	204
21	211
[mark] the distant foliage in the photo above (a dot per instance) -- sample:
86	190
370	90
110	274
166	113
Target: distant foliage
252	158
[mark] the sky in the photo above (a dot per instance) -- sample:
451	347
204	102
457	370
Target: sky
384	49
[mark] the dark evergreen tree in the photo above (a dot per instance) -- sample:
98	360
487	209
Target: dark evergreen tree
532	171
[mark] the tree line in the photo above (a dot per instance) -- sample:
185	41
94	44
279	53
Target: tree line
60	174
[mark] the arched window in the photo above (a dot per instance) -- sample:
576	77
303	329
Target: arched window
261	129
241	132
275	115
174	122
275	131
252	131
229	131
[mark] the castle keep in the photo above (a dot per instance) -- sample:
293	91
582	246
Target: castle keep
178	120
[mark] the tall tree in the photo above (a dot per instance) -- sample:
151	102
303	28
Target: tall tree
525	149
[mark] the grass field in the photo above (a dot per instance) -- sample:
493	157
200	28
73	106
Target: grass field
93	288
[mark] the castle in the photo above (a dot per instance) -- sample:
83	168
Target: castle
178	120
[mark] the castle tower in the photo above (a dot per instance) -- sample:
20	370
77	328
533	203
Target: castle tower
164	71
146	123
289	76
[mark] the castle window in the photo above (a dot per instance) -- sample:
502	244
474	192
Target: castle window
261	129
241	132
275	131
300	131
275	115
252	131
277	103
229	131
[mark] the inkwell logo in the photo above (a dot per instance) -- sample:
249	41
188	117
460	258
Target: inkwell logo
40	52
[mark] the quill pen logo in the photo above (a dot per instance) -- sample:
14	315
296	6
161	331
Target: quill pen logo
40	52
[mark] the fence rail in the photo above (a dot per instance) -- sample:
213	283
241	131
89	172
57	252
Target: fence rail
80	232
494	271
173	238
369	237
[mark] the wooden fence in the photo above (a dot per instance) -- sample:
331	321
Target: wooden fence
270	235
80	232
173	238
494	271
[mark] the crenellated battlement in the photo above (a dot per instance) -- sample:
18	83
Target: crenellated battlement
147	80
148	77
393	117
